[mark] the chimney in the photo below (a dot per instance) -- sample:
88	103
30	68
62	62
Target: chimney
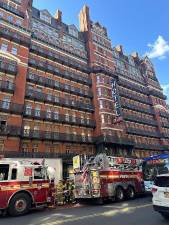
119	48
84	19
135	55
58	15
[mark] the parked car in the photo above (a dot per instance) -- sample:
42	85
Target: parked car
160	191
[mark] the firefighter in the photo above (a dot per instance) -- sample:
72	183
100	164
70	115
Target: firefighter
59	188
66	193
52	193
71	191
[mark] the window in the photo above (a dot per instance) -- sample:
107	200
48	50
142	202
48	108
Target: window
101	104
49	113
6	102
4	171
37	111
18	1
82	119
26	130
99	91
25	148
102	118
1	144
28	109
56	115
35	148
14	174
14	50
67	116
45	17
10	18
36	131
74	118
19	22
39	173
1	14
4	47
2	125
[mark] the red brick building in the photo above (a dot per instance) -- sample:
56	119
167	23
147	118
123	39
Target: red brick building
65	92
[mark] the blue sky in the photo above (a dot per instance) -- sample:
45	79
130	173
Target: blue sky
139	25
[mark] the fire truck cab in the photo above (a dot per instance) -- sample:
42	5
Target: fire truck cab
23	185
106	177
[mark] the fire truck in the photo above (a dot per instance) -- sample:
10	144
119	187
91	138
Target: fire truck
106	177
24	185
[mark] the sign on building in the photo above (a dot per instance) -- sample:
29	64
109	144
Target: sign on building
116	99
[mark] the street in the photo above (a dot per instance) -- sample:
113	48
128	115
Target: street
136	212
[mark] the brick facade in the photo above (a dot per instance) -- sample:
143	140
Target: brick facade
65	92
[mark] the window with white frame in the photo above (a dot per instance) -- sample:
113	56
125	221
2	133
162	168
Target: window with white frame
26	130
56	115
102	118
6	102
28	109
49	113
101	104
14	50
37	111
4	47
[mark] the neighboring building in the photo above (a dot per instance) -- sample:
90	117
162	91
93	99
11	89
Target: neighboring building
65	92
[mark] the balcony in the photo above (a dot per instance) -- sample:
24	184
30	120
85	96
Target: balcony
58	118
7	67
164	114
58	86
7	86
152	147
133	87
13	36
11	9
44	66
165	135
9	107
157	94
54	136
11	131
143	132
137	108
114	139
165	125
58	57
64	156
39	96
133	96
140	120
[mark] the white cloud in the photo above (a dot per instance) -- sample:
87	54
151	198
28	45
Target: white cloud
158	49
165	88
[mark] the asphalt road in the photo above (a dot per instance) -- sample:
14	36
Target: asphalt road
136	212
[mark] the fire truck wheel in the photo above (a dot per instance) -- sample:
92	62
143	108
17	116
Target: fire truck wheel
130	193
19	204
119	194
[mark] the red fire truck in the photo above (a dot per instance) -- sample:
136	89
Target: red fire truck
106	177
23	185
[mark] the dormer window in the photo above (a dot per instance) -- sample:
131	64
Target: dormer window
45	16
73	31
